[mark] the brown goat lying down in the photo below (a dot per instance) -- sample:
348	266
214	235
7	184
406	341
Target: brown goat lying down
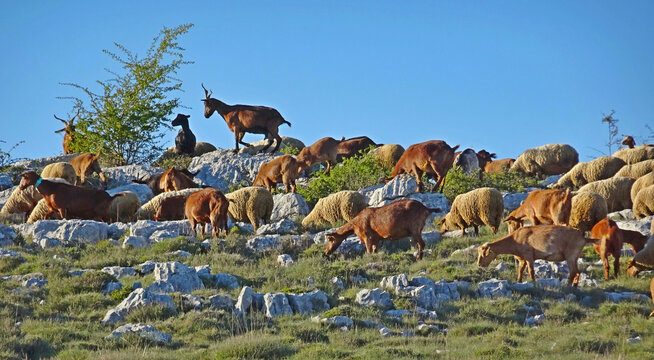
547	242
611	240
175	180
85	165
324	149
207	206
69	200
551	207
283	169
433	158
154	181
350	147
394	221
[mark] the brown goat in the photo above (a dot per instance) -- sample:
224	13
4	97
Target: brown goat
498	166
484	157
171	208
175	180
611	240
284	169
207	206
69	128
86	164
629	141
246	118
69	200
325	149
350	147
433	158
393	221
551	207
651	291
548	242
154	181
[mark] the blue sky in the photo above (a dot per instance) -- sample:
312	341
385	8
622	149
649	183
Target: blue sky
497	75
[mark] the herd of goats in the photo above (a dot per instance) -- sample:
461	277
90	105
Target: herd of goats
550	209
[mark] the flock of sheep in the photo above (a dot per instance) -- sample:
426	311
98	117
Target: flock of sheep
579	202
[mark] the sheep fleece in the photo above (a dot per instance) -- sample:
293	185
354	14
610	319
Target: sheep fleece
616	191
636	170
550	159
483	206
641	183
644	203
637	154
587	209
583	173
343	205
388	154
123	208
22	201
147	210
61	170
250	204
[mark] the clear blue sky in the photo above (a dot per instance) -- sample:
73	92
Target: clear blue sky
499	75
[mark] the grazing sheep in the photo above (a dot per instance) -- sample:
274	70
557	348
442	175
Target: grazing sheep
124	208
171	208
40	212
250	204
86	164
433	158
616	191
147	210
635	155
393	221
207	206
388	154
21	201
324	149
284	169
498	166
245	118
551	207
185	139
583	173
643	260
641	183
551	159
343	205
587	209
644	203
548	242
61	170
636	170
467	160
483	206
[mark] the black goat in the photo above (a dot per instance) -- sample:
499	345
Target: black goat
185	140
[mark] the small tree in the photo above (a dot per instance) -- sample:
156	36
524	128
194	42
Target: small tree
5	156
613	130
125	120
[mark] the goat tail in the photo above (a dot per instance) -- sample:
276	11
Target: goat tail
288	122
434	210
455	147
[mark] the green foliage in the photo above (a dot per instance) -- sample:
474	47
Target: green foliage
125	119
121	294
457	182
354	173
170	159
289	149
178	243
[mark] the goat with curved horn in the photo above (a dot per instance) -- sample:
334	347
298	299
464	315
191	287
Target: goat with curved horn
70	131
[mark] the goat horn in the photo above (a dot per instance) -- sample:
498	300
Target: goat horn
206	93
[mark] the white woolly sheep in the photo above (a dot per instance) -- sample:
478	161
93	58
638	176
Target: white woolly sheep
641	183
343	205
124	208
147	210
588	208
550	159
39	212
483	206
21	201
61	170
250	204
636	170
583	173
616	191
388	154
644	203
635	155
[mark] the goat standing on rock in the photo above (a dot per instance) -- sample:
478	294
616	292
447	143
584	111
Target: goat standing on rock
70	130
246	118
185	140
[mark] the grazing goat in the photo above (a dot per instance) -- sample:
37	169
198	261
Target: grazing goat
393	221
498	166
185	140
324	149
171	208
433	158
350	147
154	181
246	118
548	242
551	207
207	206
86	164
611	239
69	200
175	180
284	169
69	132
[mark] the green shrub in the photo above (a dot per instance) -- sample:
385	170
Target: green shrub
289	149
354	173
457	182
170	159
120	294
90	281
178	243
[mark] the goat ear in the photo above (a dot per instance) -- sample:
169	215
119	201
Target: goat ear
58	131
493	156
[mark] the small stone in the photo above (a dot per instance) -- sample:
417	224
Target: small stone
284	260
111	287
501	267
221	302
338	283
143	330
634	340
339	322
385	332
